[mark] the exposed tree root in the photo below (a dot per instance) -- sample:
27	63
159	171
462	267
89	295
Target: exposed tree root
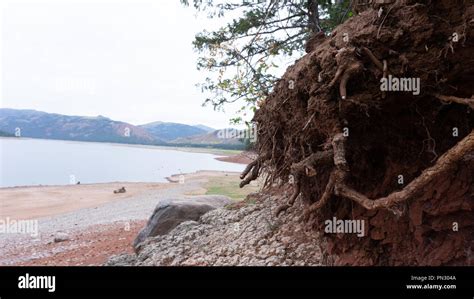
447	161
348	72
338	145
374	59
382	66
309	164
462	101
340	70
307	167
308	122
383	21
253	168
328	192
336	182
291	201
337	175
385	74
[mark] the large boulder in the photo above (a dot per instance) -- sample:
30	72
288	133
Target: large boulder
167	215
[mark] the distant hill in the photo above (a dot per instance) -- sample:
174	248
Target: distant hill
217	138
39	124
169	131
205	128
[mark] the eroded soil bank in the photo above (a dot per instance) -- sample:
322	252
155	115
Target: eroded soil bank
401	161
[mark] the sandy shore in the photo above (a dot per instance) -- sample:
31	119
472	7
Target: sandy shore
41	201
32	202
98	222
241	158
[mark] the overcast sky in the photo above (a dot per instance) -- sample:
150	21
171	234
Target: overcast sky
128	60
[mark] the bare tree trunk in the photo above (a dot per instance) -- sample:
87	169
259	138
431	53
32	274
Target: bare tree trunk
313	13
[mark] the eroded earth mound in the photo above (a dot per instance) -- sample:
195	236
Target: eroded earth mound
375	123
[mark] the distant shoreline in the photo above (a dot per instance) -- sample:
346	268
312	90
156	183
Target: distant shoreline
172	179
207	150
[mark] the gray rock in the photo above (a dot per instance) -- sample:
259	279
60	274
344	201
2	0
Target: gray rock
61	237
170	214
121	260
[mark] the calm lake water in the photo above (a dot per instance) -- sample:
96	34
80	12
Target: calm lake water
49	162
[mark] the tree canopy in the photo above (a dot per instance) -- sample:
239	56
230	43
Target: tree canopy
243	56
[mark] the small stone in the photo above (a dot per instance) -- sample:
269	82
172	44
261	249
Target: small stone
61	237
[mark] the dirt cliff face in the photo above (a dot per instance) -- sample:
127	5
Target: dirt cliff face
354	145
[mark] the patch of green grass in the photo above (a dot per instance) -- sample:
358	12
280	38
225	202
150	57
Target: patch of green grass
229	186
